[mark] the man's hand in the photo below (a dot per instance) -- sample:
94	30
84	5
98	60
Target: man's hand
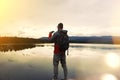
51	31
50	34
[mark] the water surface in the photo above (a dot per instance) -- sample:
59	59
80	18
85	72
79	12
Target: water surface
85	62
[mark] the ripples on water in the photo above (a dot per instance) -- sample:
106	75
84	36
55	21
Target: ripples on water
34	62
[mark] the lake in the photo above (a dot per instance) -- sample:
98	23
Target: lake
34	62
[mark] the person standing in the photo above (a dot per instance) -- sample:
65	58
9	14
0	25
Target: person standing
59	54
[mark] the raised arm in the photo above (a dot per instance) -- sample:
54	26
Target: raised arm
52	37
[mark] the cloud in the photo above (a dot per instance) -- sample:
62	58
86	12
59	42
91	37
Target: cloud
73	12
79	16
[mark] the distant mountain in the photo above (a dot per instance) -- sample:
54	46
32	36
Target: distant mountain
73	39
90	39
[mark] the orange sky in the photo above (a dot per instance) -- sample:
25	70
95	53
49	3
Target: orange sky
35	18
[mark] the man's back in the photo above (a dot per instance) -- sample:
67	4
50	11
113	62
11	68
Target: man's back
59	56
63	40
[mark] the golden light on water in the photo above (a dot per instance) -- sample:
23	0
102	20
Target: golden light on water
108	77
112	60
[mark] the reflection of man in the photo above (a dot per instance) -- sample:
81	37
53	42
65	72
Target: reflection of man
58	55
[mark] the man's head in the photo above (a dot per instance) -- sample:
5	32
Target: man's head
60	26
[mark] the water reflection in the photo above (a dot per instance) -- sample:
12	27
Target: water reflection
112	60
108	77
85	62
15	47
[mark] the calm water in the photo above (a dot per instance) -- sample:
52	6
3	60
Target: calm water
85	62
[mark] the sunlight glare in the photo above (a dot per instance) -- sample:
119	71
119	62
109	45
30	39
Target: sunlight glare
3	6
108	77
112	60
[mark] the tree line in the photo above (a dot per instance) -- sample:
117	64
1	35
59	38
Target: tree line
5	40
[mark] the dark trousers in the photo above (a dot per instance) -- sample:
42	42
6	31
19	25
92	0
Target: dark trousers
61	57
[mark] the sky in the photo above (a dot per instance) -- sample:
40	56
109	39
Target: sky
36	18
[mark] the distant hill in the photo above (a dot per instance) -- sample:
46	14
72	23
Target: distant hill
91	39
7	40
73	39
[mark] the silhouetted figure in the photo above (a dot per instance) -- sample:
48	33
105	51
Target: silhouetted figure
59	54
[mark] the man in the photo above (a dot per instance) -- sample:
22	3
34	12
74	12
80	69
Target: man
59	56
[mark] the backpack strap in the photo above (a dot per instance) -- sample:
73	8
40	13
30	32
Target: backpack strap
67	52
